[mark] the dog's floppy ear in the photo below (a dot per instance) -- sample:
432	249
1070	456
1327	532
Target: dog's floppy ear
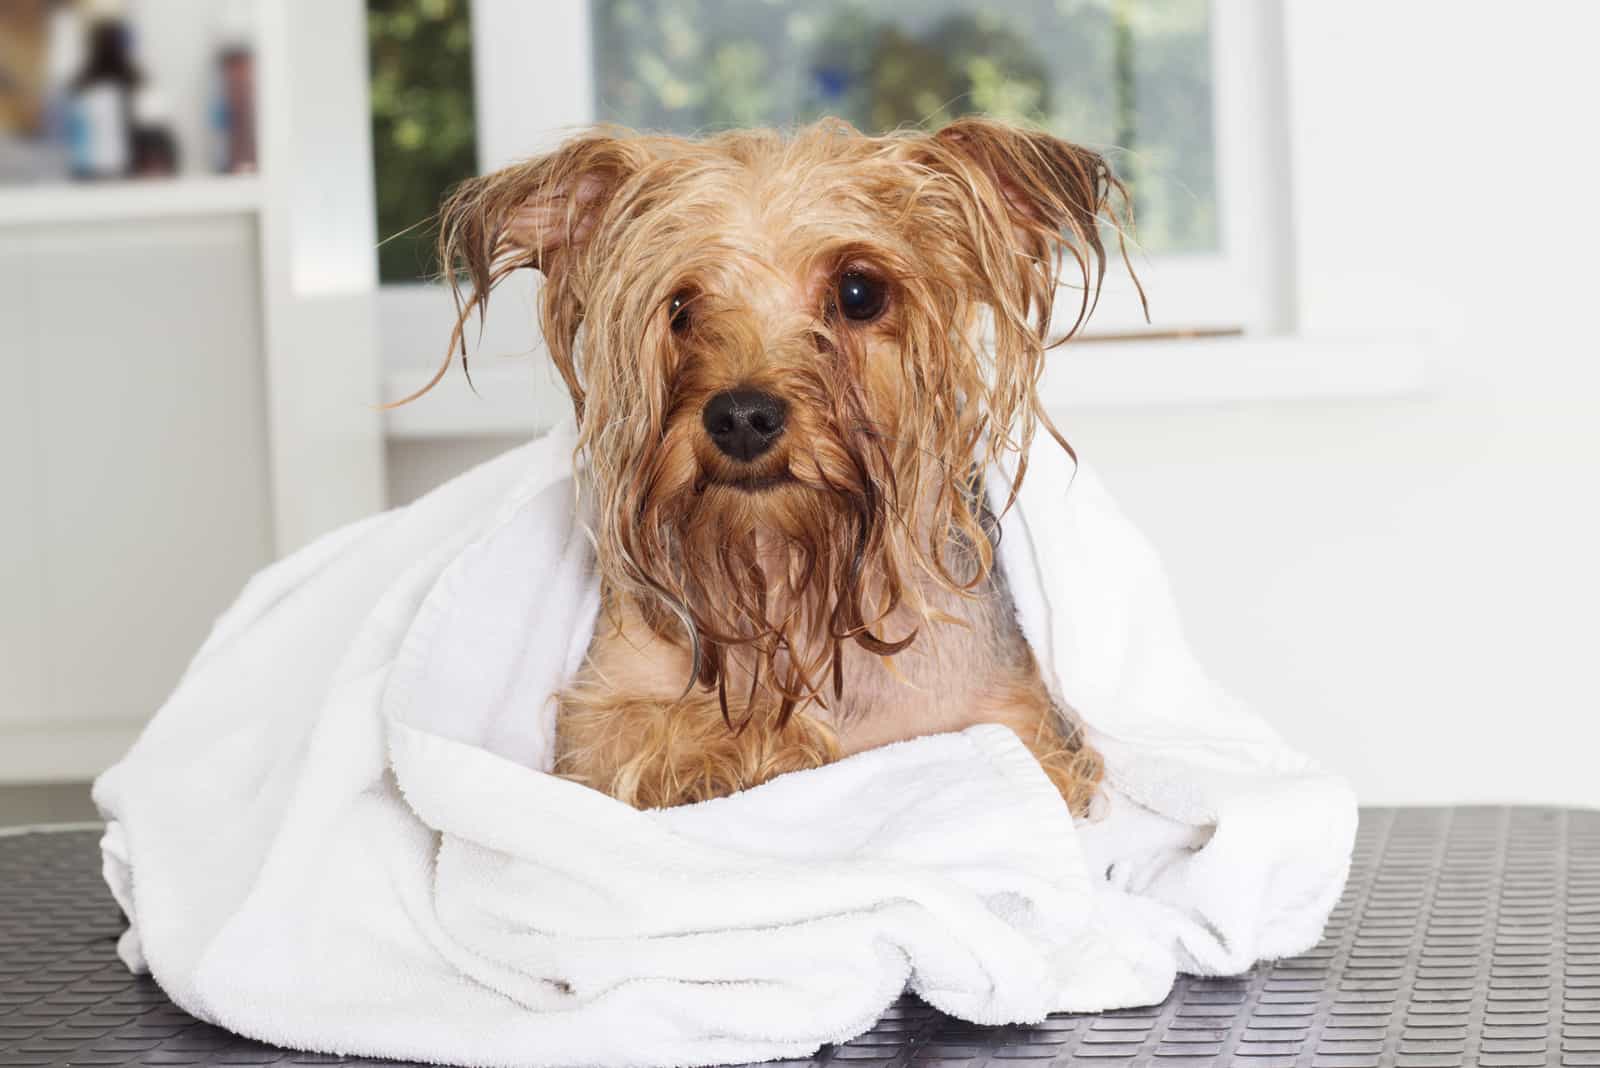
1055	198
544	214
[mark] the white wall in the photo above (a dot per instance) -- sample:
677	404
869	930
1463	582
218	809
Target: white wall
1407	587
1410	589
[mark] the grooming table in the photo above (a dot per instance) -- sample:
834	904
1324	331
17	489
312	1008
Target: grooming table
1466	936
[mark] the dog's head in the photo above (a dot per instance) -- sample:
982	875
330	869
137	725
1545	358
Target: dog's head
791	358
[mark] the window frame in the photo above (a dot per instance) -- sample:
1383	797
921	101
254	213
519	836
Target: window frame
528	97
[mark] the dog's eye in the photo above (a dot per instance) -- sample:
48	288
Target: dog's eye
861	297
678	309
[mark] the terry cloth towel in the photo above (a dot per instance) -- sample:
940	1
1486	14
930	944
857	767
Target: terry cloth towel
338	834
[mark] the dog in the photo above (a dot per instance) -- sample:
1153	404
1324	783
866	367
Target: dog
792	357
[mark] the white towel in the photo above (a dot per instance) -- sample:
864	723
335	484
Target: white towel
338	834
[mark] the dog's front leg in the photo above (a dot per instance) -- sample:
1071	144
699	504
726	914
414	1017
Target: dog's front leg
1073	765
655	753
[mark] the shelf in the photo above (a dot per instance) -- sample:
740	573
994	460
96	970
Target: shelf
521	397
147	198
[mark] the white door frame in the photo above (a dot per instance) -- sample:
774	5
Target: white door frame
319	267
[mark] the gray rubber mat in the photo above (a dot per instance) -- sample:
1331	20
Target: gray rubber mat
1465	937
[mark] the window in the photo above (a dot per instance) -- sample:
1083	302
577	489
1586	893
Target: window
1133	79
423	135
1182	95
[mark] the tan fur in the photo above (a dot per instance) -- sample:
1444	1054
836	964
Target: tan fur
626	727
838	592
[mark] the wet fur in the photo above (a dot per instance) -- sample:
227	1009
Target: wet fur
840	592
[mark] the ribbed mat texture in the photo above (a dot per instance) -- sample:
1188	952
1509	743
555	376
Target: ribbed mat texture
1466	936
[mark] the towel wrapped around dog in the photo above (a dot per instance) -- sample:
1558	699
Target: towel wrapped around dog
339	834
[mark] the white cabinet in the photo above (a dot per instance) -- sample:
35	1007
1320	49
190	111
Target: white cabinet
21	564
188	388
135	452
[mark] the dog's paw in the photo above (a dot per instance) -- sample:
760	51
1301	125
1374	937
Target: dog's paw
661	754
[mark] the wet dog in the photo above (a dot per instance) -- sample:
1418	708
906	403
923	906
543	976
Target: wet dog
794	358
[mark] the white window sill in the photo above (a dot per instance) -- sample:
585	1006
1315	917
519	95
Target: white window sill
521	396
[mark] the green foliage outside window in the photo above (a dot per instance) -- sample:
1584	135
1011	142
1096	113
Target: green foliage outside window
423	138
1131	77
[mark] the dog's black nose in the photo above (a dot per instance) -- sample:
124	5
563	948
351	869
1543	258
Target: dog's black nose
743	423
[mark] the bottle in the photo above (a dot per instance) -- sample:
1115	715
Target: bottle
102	103
233	105
155	149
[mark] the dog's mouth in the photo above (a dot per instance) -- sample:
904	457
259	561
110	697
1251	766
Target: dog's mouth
753	483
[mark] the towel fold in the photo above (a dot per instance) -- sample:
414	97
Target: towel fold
338	834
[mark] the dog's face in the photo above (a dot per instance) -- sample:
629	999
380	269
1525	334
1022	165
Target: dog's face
791	358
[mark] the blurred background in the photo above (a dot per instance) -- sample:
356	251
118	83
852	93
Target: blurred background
1358	424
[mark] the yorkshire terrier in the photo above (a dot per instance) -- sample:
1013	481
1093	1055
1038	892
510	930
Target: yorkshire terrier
793	357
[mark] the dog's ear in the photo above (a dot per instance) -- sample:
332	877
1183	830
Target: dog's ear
1054	199
543	214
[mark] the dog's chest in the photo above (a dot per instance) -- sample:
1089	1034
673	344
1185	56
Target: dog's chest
962	662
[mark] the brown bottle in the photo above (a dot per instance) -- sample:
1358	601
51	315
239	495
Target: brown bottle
101	108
